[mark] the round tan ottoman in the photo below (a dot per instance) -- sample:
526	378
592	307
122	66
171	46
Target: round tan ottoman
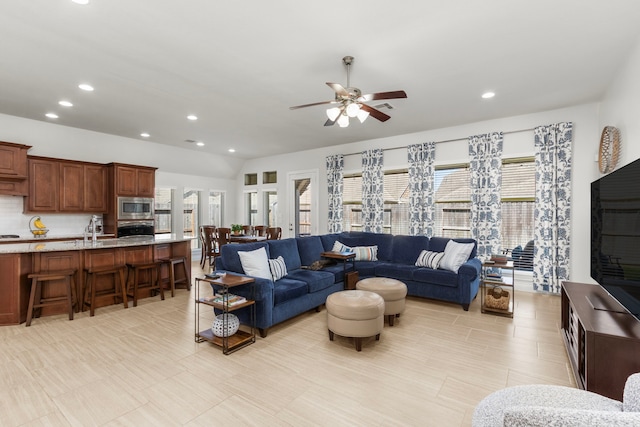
393	291
356	314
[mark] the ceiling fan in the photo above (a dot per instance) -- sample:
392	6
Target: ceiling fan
350	102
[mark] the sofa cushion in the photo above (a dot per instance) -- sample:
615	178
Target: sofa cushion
309	249
367	268
328	240
383	241
255	263
455	254
437	244
287	289
405	249
287	249
437	277
278	268
230	258
395	271
338	270
316	280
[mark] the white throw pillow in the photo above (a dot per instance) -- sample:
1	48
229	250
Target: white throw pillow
366	253
429	259
255	263
278	268
455	254
339	247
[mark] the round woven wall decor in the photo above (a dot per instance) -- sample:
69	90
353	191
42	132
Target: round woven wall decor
609	149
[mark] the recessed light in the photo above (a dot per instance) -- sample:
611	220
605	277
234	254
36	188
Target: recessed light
192	117
65	103
86	87
145	135
488	95
52	115
232	150
81	1
200	144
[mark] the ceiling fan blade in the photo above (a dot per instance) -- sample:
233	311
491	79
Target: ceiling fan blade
376	114
383	95
311	105
338	88
330	122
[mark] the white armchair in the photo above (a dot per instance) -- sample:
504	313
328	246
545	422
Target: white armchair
548	405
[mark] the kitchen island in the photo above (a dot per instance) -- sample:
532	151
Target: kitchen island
18	260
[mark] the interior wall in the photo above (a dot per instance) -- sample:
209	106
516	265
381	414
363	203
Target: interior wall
585	138
621	107
177	168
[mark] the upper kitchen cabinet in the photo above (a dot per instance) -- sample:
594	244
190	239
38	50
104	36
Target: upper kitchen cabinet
44	183
66	186
13	169
135	181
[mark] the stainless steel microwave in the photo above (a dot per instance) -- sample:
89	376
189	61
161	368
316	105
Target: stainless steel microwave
135	208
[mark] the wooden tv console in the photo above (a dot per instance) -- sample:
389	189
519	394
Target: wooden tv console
602	340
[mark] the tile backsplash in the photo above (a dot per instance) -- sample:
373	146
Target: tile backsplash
13	221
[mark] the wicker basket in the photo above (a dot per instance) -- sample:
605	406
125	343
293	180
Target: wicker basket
497	298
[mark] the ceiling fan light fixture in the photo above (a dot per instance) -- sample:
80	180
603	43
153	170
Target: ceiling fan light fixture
343	121
333	113
353	109
362	115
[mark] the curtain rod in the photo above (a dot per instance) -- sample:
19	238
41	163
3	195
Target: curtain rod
443	141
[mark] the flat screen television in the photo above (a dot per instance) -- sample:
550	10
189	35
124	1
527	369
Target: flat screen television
615	236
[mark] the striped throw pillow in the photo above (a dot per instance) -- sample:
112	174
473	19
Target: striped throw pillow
366	253
429	259
278	268
340	247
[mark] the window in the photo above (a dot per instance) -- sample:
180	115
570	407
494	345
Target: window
270	177
216	208
190	216
270	208
252	208
250	179
163	203
396	202
453	202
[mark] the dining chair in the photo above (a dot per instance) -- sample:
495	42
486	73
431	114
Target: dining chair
274	233
209	247
223	237
259	230
247	230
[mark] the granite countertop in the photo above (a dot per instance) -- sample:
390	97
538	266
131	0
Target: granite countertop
45	245
30	237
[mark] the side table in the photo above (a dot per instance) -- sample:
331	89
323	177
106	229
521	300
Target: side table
344	256
241	338
497	288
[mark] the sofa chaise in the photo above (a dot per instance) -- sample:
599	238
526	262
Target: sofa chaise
302	289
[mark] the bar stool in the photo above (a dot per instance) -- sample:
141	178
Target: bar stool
119	289
38	280
153	283
171	263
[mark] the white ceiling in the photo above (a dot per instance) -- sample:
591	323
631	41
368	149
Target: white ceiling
239	66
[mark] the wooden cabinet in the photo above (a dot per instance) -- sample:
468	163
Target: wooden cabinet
14	288
13	169
135	181
44	177
602	339
66	186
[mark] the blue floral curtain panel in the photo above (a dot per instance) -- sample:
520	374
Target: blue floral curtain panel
372	191
335	166
485	171
552	213
421	188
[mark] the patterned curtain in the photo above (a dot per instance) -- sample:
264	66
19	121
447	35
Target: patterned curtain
335	166
552	213
372	191
421	188
485	171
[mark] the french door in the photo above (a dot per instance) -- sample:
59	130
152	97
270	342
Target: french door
302	189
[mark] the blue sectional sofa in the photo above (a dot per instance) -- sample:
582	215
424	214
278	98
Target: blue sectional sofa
303	289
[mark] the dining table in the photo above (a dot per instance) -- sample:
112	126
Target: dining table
245	238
